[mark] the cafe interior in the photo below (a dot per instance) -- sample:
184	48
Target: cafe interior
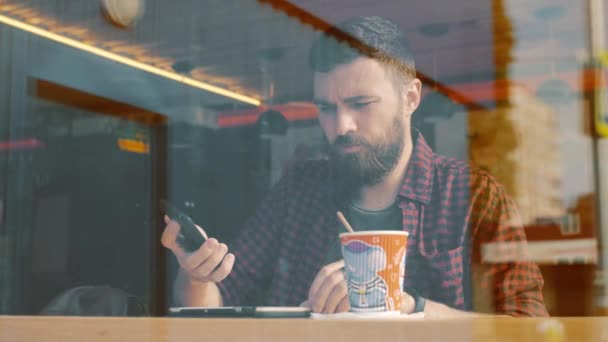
107	107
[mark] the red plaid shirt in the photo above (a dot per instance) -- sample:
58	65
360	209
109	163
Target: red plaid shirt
448	209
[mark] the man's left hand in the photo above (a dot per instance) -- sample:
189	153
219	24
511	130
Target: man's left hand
408	304
328	292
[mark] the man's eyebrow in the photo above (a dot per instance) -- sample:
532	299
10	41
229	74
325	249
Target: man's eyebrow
352	99
361	98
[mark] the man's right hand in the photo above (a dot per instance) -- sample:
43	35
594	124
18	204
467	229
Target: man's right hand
210	263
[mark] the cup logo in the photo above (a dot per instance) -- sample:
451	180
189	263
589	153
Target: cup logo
367	290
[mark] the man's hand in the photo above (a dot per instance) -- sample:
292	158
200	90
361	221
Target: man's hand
210	263
328	292
408	304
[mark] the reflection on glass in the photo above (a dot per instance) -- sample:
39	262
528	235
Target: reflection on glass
211	107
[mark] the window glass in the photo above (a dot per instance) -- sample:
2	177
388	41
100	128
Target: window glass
254	119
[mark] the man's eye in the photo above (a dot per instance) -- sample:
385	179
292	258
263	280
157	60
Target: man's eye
361	105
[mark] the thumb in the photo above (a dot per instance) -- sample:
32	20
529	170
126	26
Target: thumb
305	304
170	234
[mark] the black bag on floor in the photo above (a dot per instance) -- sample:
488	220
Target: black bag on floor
95	301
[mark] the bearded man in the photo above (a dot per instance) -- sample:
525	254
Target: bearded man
382	175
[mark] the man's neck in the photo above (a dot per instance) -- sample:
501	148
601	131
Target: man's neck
383	194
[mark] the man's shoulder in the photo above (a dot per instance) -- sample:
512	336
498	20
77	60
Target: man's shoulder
450	170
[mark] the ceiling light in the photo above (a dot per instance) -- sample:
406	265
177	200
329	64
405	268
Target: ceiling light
127	61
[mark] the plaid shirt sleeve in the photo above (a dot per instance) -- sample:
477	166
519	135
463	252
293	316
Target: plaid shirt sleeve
256	250
510	279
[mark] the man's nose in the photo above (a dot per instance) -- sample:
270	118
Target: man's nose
345	123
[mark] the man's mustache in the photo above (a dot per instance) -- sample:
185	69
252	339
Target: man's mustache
349	140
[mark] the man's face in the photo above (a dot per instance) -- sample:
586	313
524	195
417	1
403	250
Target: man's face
365	117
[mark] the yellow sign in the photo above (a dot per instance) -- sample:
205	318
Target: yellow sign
601	98
135	146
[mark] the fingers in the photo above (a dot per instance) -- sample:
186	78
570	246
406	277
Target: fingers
224	270
211	262
169	238
344	305
408	303
324	297
337	295
324	273
191	262
328	289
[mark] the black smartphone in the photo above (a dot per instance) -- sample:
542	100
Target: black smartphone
190	236
215	312
241	312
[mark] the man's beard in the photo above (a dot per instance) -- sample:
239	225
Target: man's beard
369	165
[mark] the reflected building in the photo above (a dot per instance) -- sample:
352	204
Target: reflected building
518	143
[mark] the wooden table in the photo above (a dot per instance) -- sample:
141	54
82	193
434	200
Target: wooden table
64	329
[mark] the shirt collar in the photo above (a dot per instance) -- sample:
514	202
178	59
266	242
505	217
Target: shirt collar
418	181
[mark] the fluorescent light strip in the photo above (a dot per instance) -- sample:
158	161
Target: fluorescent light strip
127	61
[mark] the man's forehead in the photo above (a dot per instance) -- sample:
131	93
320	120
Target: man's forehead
358	68
362	77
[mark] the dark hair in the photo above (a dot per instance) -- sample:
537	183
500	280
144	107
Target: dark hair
374	37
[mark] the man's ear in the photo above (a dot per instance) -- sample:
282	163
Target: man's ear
411	91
